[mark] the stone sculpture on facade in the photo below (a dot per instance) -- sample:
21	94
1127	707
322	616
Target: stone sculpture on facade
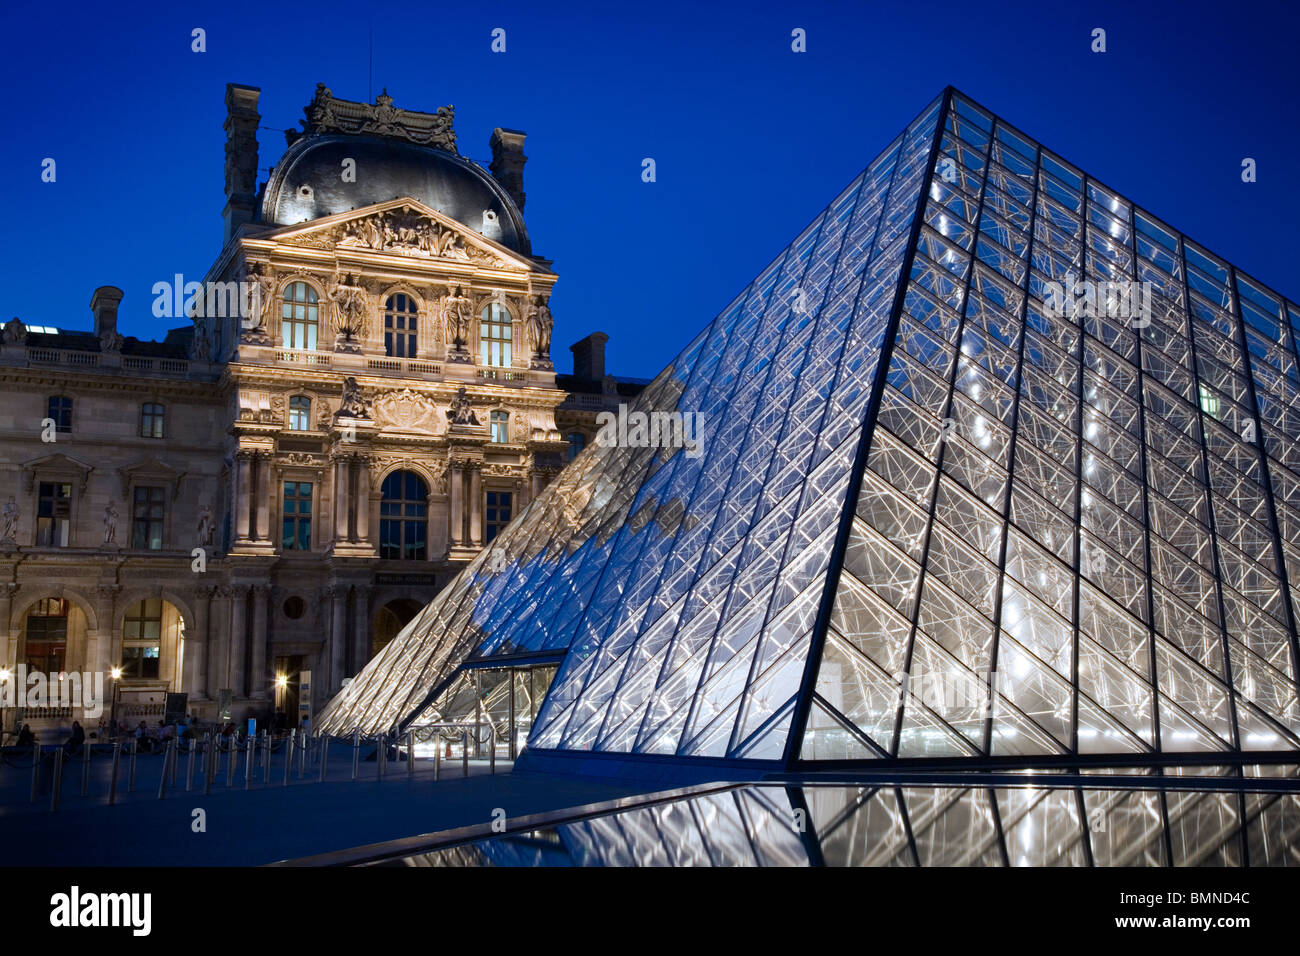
354	402
110	523
458	313
11	514
461	411
206	526
261	293
14	332
538	326
350	307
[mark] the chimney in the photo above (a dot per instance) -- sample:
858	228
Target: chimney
103	305
241	155
589	357
508	160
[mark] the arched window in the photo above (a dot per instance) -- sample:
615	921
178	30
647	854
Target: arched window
494	335
402	517
151	420
299	413
501	427
299	316
400	318
577	442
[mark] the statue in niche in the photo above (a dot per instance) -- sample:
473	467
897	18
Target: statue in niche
206	526
11	514
350	306
461	411
110	523
260	290
538	326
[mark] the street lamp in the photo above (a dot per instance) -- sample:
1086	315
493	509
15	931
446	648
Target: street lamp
112	720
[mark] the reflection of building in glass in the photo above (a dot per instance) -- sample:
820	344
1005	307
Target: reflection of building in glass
944	510
912	826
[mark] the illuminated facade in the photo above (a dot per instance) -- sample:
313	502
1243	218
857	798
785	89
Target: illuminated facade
363	396
994	465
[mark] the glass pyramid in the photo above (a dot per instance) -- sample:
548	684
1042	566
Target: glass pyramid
992	463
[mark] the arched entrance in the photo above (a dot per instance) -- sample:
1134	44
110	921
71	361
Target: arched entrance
149	661
390	620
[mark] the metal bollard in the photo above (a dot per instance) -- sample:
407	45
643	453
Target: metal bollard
266	759
302	753
130	776
492	751
57	783
36	770
323	742
189	765
248	760
85	769
176	759
381	755
356	751
437	755
288	757
410	753
112	780
464	753
208	750
234	761
168	754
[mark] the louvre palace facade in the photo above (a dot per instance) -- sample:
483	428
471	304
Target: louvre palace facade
359	397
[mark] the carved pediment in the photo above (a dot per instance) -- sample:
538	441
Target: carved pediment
404	228
150	471
56	466
406	410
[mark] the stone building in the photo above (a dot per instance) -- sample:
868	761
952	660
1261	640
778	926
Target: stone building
362	396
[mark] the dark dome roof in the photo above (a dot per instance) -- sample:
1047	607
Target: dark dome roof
388	169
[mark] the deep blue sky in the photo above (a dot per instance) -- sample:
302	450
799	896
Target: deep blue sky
750	139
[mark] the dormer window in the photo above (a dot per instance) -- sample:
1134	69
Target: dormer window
400	318
494	336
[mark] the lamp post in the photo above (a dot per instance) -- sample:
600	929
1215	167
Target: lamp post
112	720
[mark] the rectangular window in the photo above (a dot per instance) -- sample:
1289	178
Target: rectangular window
297	516
53	509
147	519
151	420
299	413
141	639
140	663
46	638
497	513
60	409
500	426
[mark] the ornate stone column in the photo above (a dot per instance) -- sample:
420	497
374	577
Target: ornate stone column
263	461
340	498
363	499
195	679
243	492
10	649
238	637
337	595
361	629
457	477
105	611
258	678
476	503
